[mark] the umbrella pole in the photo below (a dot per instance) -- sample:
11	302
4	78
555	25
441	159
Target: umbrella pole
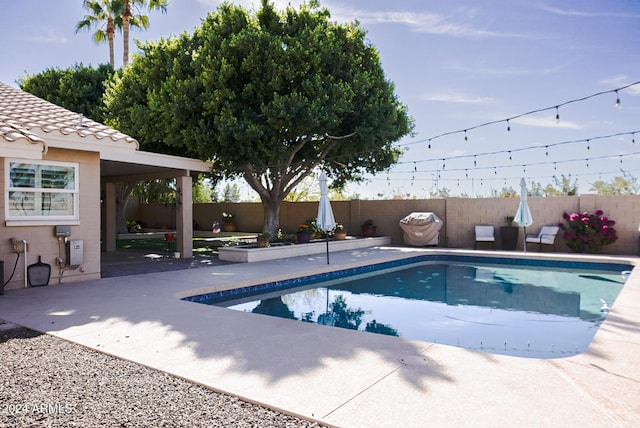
327	239
524	239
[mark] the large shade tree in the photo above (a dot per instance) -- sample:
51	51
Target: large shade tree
269	96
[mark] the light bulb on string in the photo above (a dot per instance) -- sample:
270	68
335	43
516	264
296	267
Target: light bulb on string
587	162
588	145
466	140
466	173
524	169
618	104
443	164
546	150
620	159
495	171
429	143
509	154
557	115
508	127
633	138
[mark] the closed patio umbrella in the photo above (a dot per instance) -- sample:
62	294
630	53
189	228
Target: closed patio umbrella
325	219
523	215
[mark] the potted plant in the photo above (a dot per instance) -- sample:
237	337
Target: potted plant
339	233
263	239
228	222
509	234
304	233
368	228
133	226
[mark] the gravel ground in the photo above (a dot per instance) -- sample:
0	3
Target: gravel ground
49	382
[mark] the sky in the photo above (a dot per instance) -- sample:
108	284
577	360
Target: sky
456	65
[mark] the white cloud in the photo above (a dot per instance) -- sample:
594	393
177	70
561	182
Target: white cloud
482	70
47	35
567	12
622	80
422	22
546	122
458	98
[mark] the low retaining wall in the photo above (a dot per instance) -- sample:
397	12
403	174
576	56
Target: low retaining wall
255	254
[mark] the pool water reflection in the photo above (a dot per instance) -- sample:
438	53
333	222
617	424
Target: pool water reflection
513	310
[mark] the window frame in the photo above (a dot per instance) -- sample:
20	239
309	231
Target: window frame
36	193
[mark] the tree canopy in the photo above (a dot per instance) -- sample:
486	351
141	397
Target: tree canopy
625	185
78	88
268	96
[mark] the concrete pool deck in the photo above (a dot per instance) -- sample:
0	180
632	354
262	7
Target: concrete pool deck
340	377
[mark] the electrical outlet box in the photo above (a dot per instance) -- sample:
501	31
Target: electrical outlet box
75	249
62	231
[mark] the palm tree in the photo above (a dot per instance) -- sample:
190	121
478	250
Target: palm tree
106	16
138	21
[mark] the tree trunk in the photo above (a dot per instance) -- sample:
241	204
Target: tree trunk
123	193
125	32
110	36
271	208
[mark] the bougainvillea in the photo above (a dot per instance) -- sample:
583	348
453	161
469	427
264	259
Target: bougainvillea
588	233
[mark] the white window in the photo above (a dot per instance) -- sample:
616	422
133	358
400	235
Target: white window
41	190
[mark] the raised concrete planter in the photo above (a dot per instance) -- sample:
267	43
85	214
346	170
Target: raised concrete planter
254	254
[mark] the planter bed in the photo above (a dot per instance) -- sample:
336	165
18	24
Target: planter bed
248	254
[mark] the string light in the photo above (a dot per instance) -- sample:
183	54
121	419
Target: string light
508	127
588	145
465	137
618	105
556	107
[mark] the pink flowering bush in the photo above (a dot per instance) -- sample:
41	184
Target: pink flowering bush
588	233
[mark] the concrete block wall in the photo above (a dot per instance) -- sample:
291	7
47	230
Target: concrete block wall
460	215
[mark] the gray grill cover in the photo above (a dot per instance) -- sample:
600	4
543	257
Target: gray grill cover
421	229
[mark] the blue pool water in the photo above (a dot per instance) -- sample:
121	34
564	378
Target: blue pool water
536	310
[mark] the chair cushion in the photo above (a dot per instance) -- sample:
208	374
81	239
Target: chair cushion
484	233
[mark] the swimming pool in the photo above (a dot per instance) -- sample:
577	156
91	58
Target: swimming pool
525	308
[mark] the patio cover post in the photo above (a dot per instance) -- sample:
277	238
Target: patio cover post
110	216
184	216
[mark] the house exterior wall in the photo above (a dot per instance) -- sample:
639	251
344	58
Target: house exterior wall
41	240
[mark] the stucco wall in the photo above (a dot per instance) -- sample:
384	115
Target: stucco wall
41	240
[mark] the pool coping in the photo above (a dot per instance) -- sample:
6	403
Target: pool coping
336	376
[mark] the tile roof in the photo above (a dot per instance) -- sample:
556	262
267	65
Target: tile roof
22	115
